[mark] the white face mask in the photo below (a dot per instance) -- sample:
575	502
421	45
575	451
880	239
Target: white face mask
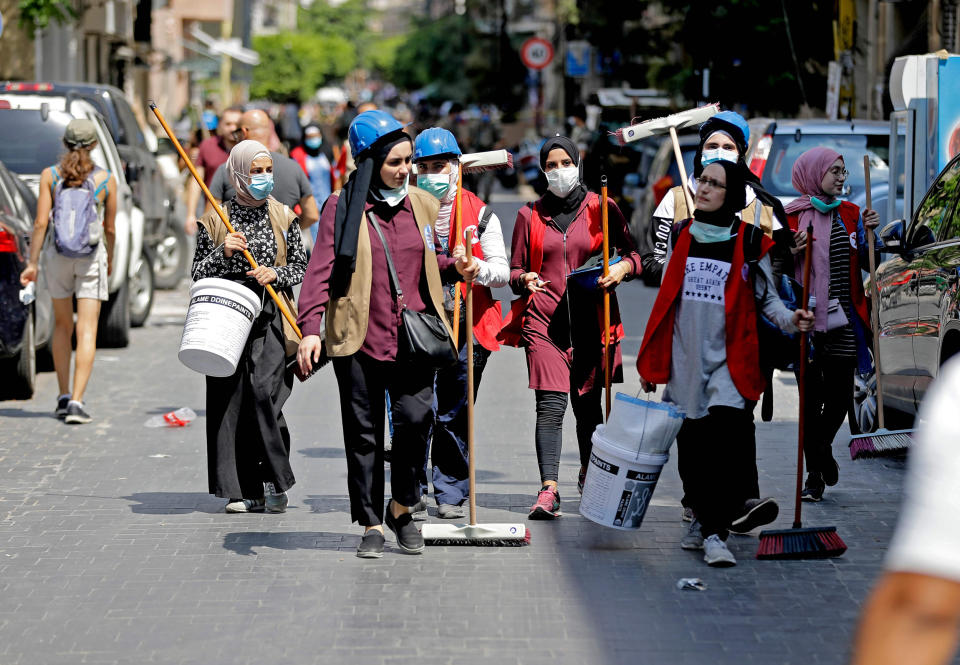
718	154
562	181
394	197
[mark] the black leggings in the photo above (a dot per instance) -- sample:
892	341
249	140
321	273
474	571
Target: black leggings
551	405
829	387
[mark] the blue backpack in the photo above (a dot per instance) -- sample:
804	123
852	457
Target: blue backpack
76	221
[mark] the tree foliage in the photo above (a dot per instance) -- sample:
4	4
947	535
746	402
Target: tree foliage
37	14
294	64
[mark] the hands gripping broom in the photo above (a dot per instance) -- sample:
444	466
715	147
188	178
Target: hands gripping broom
226	222
812	542
473	533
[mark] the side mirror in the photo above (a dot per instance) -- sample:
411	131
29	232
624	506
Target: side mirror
132	171
891	235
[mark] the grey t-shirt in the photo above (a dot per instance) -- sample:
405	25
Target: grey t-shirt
290	183
699	376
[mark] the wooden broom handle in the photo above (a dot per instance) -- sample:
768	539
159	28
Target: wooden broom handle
456	241
226	222
606	297
802	376
470	396
874	295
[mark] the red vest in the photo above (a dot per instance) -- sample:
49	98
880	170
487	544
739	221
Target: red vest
486	308
849	216
740	321
511	327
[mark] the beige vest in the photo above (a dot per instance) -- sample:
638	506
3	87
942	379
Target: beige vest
347	316
748	214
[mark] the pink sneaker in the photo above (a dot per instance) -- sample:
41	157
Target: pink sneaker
547	506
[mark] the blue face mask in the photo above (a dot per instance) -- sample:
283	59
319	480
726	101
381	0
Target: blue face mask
822	206
313	142
707	233
261	185
718	154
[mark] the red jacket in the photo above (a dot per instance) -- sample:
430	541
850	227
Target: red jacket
486	309
740	309
850	217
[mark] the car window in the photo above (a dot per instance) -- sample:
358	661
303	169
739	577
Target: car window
688	153
785	149
935	215
128	122
13	193
45	145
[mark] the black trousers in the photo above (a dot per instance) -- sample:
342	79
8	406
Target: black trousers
362	382
551	405
829	386
718	454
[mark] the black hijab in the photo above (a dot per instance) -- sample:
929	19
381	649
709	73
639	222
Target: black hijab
714	125
734	200
363	182
562	210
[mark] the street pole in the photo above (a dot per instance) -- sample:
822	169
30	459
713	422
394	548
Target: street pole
226	31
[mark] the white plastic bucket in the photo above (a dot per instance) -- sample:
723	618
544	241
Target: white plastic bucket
218	323
646	426
619	484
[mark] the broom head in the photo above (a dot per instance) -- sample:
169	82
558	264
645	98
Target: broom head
482	535
809	543
881	443
682	120
492	160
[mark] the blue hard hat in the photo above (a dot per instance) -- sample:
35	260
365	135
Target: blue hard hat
731	119
370	126
435	141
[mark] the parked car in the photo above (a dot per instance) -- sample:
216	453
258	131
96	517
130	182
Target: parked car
131	282
661	176
137	147
775	151
24	329
919	304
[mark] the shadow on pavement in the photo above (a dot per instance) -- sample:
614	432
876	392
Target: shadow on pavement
244	542
332	503
21	413
175	503
323	453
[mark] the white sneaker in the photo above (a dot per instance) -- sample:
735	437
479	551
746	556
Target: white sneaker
276	502
244	506
715	552
692	540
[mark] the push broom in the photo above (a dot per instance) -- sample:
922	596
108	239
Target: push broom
495	535
226	222
883	441
670	124
799	542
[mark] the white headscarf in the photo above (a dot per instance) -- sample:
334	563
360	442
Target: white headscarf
238	168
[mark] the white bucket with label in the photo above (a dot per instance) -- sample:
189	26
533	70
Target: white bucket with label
619	484
218	323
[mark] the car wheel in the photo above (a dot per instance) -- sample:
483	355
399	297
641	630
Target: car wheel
170	256
141	289
862	416
22	368
113	330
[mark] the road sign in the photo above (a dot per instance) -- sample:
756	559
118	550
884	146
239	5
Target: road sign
536	53
578	58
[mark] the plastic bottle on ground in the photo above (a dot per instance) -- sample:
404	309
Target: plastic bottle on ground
179	418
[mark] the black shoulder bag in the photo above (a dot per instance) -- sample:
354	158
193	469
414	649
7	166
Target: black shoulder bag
423	338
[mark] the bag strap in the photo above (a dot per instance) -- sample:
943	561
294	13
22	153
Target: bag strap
394	280
484	220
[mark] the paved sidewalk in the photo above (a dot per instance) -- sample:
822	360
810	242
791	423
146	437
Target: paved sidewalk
111	551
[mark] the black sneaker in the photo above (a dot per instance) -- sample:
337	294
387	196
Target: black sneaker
388	452
581	477
756	512
62	403
813	488
830	473
371	546
76	415
408	535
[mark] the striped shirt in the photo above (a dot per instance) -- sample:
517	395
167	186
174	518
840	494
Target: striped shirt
840	342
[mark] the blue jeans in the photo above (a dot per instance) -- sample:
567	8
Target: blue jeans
449	436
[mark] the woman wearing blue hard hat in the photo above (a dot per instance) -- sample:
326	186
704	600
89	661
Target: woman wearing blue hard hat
436	154
377	255
725	138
